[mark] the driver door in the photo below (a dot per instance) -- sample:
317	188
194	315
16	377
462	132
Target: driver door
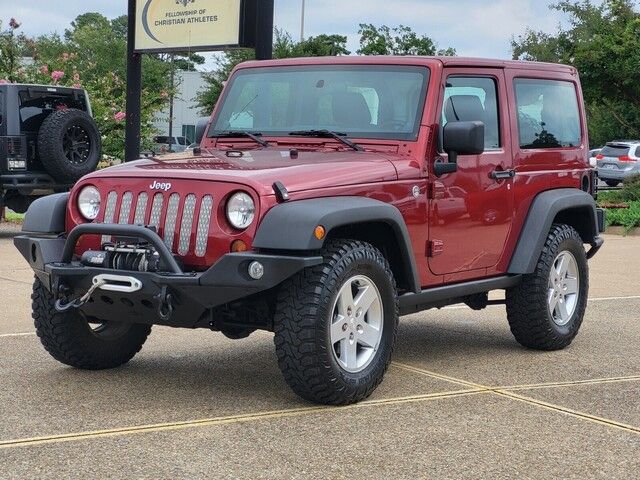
470	210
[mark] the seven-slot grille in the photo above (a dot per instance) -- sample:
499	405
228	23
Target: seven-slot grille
186	218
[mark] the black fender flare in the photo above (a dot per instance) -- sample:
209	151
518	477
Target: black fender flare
47	214
577	208
291	226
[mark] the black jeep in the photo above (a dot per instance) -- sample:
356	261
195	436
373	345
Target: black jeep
48	141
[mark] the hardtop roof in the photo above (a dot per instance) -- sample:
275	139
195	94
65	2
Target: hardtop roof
413	60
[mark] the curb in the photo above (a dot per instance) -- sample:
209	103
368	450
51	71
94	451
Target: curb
634	232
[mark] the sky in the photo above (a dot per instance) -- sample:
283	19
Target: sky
476	28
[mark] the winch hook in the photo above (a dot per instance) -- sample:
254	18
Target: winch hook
165	304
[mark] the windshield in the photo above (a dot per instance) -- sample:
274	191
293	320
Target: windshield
373	101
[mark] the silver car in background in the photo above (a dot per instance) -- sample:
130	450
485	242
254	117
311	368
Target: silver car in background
618	160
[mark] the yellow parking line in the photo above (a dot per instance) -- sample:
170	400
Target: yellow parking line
568	411
532	401
23	334
440	376
208	422
592	381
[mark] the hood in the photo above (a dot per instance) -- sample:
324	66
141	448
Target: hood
260	169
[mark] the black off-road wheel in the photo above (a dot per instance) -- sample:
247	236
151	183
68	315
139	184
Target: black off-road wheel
74	340
336	323
69	145
545	311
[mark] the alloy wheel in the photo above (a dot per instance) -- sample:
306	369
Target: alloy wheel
563	288
357	321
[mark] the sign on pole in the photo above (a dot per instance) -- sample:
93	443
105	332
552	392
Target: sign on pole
159	26
192	25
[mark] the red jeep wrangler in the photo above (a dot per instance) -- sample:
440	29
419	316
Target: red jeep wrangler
328	198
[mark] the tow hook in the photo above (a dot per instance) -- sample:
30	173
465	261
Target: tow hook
112	283
61	307
165	304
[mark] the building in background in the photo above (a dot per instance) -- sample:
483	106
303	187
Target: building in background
185	109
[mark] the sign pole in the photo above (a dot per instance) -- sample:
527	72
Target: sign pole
134	89
264	30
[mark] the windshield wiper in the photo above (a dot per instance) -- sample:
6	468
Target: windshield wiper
329	134
253	136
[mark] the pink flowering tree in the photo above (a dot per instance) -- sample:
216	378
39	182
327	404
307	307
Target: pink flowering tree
92	56
10	46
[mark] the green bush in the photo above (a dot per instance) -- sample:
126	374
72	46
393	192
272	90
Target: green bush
628	218
631	189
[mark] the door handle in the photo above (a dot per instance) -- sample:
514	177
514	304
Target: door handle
502	174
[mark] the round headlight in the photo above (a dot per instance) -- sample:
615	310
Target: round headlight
240	210
89	202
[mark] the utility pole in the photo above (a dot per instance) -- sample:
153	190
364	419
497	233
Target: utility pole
171	92
302	21
134	85
264	30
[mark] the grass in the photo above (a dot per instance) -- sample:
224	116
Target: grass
13	217
628	196
628	218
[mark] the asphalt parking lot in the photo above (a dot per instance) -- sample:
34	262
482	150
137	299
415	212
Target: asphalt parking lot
461	399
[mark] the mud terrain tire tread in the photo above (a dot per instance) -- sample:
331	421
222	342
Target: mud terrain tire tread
300	326
69	339
50	148
527	309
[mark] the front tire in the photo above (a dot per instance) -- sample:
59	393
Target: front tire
612	183
545	311
336	323
72	340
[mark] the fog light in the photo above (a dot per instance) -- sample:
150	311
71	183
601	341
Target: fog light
17	164
256	270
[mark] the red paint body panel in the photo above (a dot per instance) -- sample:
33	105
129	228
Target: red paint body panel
387	170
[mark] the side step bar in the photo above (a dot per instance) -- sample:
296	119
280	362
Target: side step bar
449	294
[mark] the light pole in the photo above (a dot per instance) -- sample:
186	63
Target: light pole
302	21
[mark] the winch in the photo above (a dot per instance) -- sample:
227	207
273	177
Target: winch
131	257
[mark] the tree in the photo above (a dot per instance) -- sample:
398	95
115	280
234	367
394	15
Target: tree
91	55
321	46
283	47
400	40
602	41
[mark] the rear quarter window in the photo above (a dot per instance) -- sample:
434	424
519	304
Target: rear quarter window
548	113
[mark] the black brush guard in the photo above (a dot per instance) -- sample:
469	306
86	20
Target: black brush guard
171	297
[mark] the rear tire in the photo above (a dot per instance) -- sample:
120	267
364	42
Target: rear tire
612	183
546	309
333	346
69	145
70	338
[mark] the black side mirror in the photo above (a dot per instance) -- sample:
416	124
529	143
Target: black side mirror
200	129
460	138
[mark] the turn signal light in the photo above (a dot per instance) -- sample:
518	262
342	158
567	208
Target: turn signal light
239	246
320	232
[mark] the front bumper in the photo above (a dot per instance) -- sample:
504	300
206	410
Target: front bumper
192	294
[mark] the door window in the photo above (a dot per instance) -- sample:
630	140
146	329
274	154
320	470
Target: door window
472	99
548	114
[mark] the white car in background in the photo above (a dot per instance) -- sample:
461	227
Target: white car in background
161	144
593	161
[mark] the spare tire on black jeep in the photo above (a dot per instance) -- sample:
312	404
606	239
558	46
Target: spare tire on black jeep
69	144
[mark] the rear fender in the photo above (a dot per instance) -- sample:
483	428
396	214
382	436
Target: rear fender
565	205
